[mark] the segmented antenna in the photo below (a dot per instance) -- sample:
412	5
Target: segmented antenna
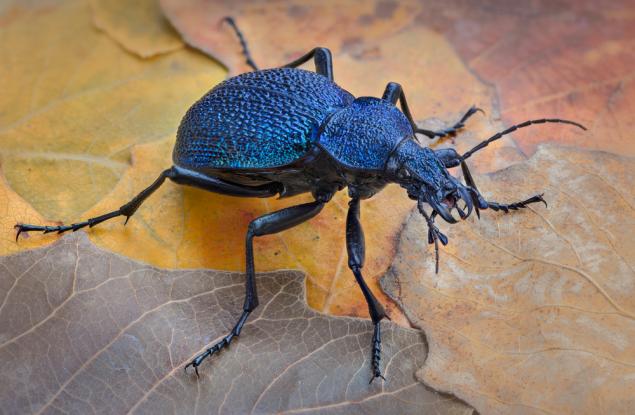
514	128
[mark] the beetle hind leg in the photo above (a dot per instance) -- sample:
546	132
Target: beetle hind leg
243	43
126	210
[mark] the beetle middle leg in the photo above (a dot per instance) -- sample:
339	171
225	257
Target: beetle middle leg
394	92
356	252
264	225
322	58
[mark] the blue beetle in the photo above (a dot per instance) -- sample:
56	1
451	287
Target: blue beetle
286	131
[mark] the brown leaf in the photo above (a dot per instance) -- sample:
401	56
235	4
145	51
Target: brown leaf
533	311
571	59
84	330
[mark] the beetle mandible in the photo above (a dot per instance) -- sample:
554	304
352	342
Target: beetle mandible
286	131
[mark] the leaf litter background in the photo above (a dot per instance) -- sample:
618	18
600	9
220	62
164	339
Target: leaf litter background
79	102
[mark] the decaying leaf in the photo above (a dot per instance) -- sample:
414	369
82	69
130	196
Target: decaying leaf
299	27
74	102
84	330
138	26
532	312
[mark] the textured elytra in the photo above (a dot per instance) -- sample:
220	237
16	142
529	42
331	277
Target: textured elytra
259	119
84	330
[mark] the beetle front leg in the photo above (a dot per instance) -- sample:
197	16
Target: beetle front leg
394	92
356	253
264	225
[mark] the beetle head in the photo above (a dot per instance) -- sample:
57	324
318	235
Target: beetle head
426	179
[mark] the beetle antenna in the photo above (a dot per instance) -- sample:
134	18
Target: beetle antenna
514	128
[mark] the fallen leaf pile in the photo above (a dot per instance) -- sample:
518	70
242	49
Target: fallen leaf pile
84	330
532	312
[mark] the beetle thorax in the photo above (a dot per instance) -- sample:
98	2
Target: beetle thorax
363	135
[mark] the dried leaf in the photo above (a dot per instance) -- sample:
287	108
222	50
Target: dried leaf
571	59
533	311
138	26
77	102
84	330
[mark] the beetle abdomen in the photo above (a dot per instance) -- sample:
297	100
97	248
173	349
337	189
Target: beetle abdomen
260	119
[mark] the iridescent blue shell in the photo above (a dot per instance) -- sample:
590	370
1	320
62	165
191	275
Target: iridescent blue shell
257	120
362	135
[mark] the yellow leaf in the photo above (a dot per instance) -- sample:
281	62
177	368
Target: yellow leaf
77	102
139	26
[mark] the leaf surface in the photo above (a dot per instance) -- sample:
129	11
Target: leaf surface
85	330
532	312
138	26
74	103
569	59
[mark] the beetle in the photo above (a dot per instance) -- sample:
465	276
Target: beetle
287	131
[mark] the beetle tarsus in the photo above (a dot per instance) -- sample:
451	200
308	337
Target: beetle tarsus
517	205
452	130
376	350
218	346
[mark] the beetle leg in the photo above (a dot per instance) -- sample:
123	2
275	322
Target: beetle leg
452	130
243	43
394	92
264	225
218	185
356	253
321	57
126	210
516	205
